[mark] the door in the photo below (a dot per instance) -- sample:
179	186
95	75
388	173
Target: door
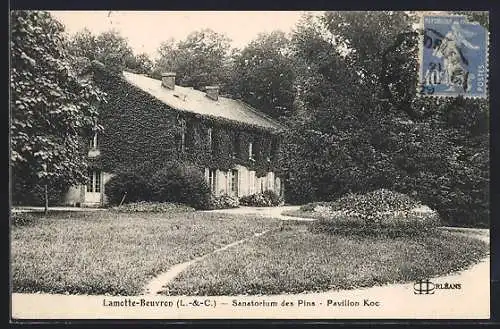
93	192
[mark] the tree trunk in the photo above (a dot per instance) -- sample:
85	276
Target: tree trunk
46	210
123	199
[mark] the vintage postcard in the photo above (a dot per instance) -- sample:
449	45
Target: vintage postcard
180	165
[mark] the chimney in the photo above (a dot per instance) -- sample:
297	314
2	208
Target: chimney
168	80
212	92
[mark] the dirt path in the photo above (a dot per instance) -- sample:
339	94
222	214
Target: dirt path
273	212
52	209
155	286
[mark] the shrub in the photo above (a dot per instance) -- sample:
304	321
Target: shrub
22	218
264	199
27	193
397	223
379	212
144	206
369	203
375	201
224	201
273	198
181	183
133	185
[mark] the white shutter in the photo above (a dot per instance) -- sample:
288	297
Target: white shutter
207	176
270	181
239	183
252	182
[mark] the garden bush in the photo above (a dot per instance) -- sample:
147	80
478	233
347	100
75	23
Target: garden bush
377	212
22	218
378	200
133	185
223	201
145	206
27	193
398	223
181	183
264	199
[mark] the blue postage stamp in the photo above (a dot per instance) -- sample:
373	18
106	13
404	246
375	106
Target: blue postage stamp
453	57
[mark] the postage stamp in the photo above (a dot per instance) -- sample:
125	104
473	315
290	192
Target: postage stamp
453	57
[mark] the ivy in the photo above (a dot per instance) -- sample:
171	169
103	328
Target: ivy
143	132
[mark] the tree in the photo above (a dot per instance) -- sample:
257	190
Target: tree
109	48
199	60
141	64
52	109
359	124
329	138
263	75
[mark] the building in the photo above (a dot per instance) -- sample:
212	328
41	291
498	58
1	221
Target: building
148	122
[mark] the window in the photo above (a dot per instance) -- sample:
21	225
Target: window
209	138
183	135
97	185
190	132
236	144
94	183
93	142
214	142
270	181
234	182
90	183
275	148
250	151
257	151
212	180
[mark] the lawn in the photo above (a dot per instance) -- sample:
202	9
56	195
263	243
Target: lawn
297	260
305	214
105	252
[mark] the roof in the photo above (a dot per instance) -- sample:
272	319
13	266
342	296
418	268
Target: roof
195	101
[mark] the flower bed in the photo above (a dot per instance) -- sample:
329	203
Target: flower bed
264	199
381	212
143	206
392	223
224	201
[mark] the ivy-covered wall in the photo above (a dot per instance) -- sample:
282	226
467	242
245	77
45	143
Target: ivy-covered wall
140	132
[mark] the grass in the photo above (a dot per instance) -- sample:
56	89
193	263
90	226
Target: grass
105	252
297	260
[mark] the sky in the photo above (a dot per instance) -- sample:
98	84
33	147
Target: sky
145	30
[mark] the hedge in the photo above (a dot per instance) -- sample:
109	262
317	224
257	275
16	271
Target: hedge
127	187
265	199
180	183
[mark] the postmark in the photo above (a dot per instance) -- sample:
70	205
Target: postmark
453	58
